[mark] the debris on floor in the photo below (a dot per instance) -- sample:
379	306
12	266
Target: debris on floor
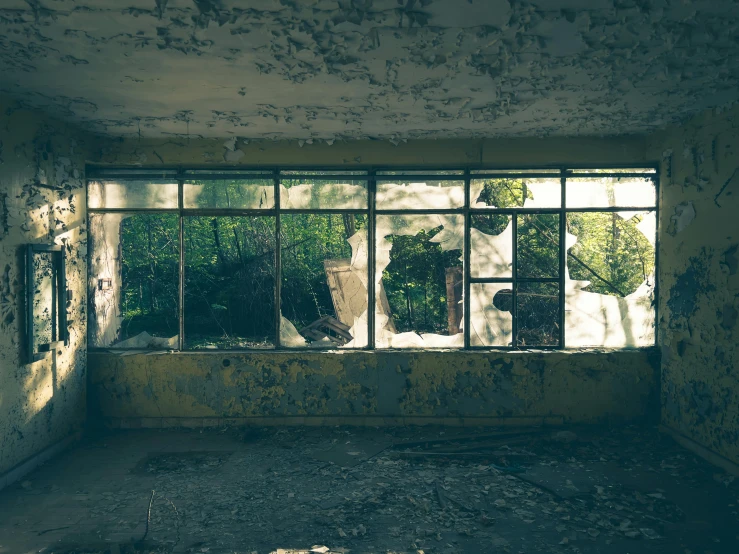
368	490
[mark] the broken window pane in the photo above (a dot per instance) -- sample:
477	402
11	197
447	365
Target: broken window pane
406	194
491	322
538	245
419	281
538	314
245	194
317	190
134	280
324	280
515	192
154	194
491	246
229	282
609	291
604	192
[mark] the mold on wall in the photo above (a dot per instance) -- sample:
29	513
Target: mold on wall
42	200
577	387
699	279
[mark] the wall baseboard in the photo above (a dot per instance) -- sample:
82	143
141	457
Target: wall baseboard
29	464
355	421
698	449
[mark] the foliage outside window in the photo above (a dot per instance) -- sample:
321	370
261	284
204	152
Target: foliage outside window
457	258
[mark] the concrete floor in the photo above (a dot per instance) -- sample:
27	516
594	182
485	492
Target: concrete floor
357	490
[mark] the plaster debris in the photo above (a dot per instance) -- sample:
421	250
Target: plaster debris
346	490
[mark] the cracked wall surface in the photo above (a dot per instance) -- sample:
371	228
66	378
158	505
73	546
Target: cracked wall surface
349	69
699	279
42	200
577	387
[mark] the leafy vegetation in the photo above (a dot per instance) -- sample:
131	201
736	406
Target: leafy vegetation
230	267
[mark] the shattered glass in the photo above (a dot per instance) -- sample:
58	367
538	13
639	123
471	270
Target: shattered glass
154	194
491	246
134	287
489	324
604	192
609	292
251	194
413	256
410	195
325	254
322	194
516	191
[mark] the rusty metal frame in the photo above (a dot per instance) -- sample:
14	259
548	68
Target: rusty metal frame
372	175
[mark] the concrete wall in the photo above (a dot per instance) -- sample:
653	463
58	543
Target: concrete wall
372	387
699	279
503	152
157	389
41	403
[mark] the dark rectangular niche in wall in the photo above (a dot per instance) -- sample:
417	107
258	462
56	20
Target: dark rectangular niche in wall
46	300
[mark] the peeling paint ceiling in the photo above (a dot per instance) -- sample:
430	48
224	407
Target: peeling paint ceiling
391	69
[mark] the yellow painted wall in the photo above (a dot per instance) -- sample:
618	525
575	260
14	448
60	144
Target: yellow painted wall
42	402
699	278
580	387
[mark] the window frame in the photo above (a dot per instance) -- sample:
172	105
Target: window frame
469	172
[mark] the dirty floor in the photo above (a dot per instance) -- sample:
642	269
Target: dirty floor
365	490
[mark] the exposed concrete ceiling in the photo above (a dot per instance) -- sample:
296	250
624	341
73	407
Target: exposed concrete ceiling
394	69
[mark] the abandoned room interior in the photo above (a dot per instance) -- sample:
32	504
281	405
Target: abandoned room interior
369	276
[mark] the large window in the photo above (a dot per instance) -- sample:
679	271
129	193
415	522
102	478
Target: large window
271	258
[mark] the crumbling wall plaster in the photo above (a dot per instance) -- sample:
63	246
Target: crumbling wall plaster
699	279
577	387
356	69
42	200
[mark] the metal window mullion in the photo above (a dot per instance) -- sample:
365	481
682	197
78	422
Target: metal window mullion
278	259
466	261
657	182
371	251
514	285
562	256
181	284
